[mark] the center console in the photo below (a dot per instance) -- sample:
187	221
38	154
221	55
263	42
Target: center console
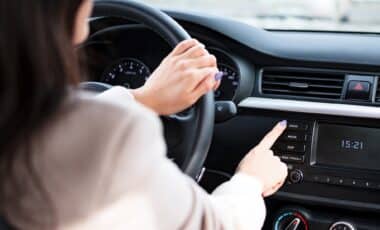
332	154
333	161
297	217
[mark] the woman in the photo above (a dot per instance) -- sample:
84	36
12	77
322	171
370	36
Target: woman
75	162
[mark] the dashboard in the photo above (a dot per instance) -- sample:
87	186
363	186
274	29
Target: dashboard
121	59
325	84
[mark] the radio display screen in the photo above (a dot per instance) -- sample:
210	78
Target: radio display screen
348	146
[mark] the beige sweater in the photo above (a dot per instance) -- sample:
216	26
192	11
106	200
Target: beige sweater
103	165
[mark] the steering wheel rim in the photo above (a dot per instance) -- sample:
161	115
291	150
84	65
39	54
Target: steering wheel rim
200	126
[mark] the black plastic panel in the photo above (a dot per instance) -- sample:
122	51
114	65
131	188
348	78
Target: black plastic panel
302	46
235	138
318	217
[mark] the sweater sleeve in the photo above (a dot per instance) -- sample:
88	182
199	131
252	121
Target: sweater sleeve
116	94
172	200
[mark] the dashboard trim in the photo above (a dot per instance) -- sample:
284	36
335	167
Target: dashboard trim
311	107
326	201
301	46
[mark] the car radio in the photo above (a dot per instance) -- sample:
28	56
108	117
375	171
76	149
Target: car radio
336	154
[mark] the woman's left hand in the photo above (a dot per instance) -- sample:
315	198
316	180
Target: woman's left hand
185	75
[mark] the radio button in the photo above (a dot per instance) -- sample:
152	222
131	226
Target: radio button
371	185
316	178
364	184
368	184
296	126
297	159
351	182
358	183
325	179
358	90
337	180
292	159
294	137
292	147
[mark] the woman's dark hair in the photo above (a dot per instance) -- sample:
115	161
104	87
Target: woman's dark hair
37	64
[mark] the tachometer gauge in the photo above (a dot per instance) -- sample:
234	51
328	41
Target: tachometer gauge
128	72
229	84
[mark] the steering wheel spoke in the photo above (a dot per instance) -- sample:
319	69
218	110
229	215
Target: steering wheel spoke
180	134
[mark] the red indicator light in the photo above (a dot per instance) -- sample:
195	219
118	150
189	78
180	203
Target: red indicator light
358	87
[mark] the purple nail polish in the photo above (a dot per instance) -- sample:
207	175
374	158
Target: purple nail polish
219	76
284	123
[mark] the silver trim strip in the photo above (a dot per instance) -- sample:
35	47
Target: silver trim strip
311	107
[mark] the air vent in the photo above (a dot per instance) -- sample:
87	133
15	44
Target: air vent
312	84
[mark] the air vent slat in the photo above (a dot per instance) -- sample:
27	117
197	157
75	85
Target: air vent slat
305	93
302	83
327	86
305	78
310	85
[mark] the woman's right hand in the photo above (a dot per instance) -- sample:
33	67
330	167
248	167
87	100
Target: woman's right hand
185	75
261	163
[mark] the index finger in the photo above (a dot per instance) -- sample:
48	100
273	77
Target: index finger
268	141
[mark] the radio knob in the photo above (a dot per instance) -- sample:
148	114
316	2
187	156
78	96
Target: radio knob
342	225
296	176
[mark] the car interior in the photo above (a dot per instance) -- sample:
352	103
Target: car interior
325	84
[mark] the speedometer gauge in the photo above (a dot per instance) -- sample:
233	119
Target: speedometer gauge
128	72
229	84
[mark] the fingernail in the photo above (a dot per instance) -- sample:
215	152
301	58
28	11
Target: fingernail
284	123
219	76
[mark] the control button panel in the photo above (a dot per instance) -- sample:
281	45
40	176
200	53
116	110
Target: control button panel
343	181
293	145
300	218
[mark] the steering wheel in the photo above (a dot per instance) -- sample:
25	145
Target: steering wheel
188	135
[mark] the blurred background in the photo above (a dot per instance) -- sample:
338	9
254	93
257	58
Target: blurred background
320	15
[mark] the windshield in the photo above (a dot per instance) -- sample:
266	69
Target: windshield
319	15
